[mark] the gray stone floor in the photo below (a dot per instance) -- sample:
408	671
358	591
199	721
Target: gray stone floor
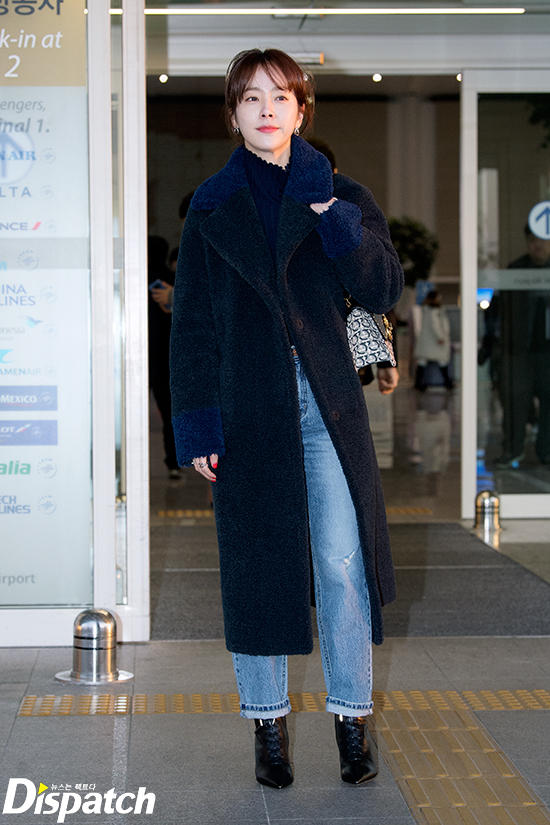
200	767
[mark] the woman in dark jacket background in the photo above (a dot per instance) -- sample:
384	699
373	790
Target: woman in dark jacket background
268	406
160	322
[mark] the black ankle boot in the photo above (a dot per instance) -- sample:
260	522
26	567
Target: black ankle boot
356	759
272	762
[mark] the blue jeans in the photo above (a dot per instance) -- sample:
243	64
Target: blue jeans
343	607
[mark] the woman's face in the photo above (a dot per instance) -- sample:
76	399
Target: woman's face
267	116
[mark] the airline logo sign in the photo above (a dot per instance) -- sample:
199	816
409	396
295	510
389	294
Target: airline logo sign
33	399
28	433
23	795
15	468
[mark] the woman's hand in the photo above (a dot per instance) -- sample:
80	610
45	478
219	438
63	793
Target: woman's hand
160	293
201	466
388	378
322	207
161	296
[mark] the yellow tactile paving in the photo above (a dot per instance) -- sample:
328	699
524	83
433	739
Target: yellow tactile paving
443	716
392	511
448	767
186	513
409	511
68	705
185	703
307	702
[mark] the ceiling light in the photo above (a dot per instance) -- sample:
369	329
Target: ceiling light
309	58
459	77
163	78
377	77
309	12
284	13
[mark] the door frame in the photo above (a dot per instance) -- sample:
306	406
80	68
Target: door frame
474	83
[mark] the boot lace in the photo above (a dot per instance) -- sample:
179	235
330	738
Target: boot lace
273	741
354	740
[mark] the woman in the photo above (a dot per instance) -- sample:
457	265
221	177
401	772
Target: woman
268	406
434	341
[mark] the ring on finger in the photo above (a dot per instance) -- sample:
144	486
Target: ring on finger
202	464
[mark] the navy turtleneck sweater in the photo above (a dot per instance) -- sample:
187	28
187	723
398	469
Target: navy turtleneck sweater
267	183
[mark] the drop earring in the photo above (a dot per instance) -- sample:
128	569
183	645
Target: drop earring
236	130
297	131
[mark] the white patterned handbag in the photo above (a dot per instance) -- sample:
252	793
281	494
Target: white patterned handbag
370	341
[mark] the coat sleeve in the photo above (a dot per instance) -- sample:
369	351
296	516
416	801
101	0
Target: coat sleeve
194	360
356	237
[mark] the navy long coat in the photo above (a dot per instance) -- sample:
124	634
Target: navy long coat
234	392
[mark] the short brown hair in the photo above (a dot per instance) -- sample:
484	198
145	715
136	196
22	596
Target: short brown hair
278	65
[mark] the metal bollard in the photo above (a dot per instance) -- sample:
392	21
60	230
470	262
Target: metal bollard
487	511
487	525
94	650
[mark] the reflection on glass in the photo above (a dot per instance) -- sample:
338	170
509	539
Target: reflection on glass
118	325
380	409
429	437
514	261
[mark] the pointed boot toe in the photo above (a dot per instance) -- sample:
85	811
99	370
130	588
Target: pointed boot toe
357	762
274	776
273	767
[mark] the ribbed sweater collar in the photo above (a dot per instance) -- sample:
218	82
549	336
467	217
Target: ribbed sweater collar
267	177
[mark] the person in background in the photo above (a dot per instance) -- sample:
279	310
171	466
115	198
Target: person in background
386	374
162	294
517	340
173	259
537	252
160	322
267	405
434	341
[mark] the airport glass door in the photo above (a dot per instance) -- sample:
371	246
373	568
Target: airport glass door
514	292
507	304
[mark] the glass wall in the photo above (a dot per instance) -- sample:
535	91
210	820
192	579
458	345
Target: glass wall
45	444
514	293
119	326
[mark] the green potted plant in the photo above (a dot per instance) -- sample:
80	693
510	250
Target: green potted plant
416	246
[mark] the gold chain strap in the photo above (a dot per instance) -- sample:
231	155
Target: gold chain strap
389	328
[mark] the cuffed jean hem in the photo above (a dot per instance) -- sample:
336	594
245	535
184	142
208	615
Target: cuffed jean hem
347	708
265	711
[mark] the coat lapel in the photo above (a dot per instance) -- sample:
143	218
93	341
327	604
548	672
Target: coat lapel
247	251
296	221
309	181
228	195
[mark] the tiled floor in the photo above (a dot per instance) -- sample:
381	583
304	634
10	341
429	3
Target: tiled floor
199	765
